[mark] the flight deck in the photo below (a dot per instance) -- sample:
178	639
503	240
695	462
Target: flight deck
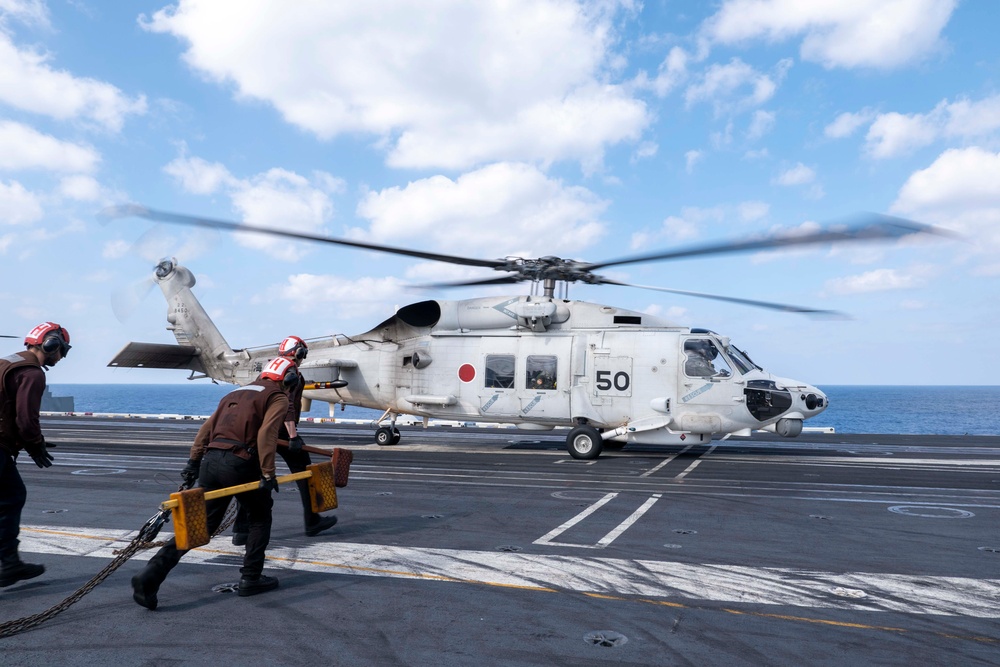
494	546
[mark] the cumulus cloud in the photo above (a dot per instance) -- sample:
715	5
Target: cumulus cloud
18	206
761	123
863	33
848	123
457	86
360	297
199	176
735	86
29	83
800	174
23	147
691	158
494	211
675	229
80	188
958	191
282	199
892	134
879	280
29	12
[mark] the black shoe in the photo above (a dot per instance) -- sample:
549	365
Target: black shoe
324	522
239	539
144	591
11	574
254	585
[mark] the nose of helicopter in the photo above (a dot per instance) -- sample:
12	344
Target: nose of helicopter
812	401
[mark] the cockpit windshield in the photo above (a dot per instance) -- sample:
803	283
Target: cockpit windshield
741	359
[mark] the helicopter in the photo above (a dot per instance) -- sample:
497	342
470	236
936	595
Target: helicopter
612	376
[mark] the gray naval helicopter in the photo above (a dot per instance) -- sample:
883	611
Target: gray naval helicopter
612	376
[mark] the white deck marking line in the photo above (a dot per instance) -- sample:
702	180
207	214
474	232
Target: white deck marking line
669	580
695	464
559	530
666	461
607	539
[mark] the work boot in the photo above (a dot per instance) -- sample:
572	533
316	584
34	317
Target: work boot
17	571
252	585
324	522
144	588
239	539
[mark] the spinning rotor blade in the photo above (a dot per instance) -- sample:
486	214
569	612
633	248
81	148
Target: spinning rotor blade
505	280
830	314
125	301
134	210
875	227
6	336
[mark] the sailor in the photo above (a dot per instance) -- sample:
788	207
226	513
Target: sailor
698	363
22	384
295	350
234	446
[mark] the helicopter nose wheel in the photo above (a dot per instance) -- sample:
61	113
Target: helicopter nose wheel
584	442
386	436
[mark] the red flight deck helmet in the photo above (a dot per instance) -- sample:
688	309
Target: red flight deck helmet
50	337
293	347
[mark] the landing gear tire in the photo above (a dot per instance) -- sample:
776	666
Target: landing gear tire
584	442
386	436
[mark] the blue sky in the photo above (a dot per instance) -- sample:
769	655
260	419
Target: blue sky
588	130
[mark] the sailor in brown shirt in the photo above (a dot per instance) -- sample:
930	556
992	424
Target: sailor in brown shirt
234	446
22	383
294	349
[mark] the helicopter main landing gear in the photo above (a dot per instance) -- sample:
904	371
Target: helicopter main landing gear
387	435
584	442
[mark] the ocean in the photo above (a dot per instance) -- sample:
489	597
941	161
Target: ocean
853	409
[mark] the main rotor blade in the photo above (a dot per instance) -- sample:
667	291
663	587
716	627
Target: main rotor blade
813	312
504	280
877	227
135	210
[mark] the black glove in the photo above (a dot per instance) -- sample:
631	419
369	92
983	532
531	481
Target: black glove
295	444
41	457
269	484
190	472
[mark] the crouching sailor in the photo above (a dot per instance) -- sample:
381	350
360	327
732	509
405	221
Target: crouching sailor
234	446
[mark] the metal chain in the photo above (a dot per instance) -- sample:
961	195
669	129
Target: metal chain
141	541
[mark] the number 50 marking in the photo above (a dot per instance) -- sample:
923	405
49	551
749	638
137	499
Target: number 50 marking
620	381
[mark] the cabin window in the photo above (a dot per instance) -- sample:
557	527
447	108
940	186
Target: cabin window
500	371
540	372
702	359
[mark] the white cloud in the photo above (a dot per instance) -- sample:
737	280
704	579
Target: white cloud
80	188
761	124
452	86
879	280
199	176
282	199
646	149
751	211
18	206
847	123
691	158
958	191
30	12
23	147
800	174
675	229
491	212
672	72
28	83
735	86
893	134
860	33
353	298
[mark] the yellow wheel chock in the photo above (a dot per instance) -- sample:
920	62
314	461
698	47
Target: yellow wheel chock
191	519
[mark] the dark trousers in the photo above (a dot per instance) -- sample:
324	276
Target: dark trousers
219	469
12	497
297	462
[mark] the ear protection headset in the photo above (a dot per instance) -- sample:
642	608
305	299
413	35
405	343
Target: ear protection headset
50	337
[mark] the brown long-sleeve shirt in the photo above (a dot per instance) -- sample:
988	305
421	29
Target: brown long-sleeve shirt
24	385
267	434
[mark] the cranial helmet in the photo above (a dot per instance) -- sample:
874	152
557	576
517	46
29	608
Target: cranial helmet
703	347
281	370
50	337
293	347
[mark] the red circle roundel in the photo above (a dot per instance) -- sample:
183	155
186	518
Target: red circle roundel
467	373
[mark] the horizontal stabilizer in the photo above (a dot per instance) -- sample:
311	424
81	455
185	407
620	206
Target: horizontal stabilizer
156	355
